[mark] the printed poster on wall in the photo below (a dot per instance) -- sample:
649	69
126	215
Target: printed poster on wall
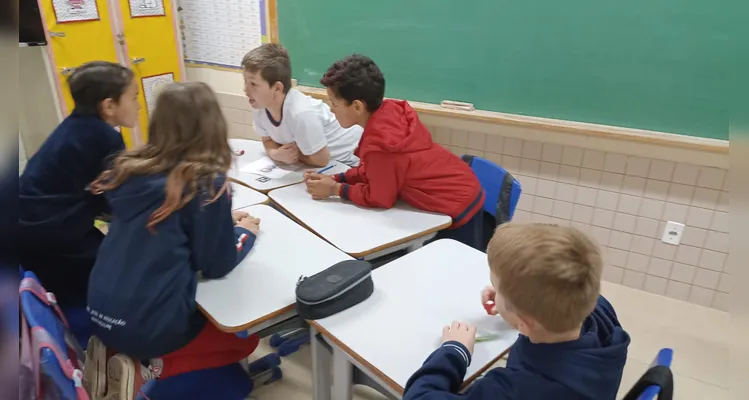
220	32
75	10
146	8
152	86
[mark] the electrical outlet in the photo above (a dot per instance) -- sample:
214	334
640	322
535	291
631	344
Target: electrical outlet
673	232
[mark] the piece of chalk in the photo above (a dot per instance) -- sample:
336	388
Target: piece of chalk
488	306
457	105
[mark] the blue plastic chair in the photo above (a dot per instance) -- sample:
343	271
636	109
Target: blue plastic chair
657	382
501	189
501	193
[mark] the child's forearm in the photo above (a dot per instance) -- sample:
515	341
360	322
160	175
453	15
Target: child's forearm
245	241
270	146
351	176
443	371
319	159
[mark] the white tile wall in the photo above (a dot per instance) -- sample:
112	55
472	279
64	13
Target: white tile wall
623	201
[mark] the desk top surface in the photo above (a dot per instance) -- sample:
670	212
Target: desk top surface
263	285
355	230
254	150
415	296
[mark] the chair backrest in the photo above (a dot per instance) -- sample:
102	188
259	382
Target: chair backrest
501	189
51	360
657	382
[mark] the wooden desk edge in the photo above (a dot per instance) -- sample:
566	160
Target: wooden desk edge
579	128
262	191
366	252
393	385
251	324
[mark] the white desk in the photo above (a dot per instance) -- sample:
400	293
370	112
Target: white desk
359	231
260	291
389	336
242	196
253	151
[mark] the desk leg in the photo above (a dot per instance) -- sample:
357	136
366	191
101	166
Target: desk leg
343	376
321	365
415	246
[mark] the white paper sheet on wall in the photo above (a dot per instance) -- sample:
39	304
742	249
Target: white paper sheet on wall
75	10
152	85
146	8
220	32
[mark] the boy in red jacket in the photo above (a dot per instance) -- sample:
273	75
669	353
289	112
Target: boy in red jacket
399	160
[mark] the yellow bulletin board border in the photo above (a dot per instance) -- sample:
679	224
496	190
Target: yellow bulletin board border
268	31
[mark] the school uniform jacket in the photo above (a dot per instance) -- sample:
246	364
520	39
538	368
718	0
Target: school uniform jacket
141	294
589	368
58	240
399	160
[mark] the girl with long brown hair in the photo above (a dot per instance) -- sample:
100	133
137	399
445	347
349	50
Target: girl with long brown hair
171	220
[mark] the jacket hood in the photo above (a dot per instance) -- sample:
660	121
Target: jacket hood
137	195
590	366
395	128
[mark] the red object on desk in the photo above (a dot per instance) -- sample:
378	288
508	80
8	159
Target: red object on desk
239	152
488	306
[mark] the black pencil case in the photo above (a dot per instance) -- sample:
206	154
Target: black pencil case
333	290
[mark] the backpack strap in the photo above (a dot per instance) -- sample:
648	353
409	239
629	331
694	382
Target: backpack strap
29	385
504	201
43	340
33	286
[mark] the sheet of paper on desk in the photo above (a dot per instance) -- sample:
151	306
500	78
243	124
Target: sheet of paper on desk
269	168
487	329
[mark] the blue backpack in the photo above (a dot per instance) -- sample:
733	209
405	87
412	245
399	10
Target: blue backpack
51	359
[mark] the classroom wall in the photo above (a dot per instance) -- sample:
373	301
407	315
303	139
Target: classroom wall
39	112
620	192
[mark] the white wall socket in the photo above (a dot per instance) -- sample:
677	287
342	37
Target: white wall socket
673	232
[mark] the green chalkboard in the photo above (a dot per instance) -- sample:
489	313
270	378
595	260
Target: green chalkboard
649	64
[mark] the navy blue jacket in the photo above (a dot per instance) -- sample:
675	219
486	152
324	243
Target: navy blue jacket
58	240
587	368
141	294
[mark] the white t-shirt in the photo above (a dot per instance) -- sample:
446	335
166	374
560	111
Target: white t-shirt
309	122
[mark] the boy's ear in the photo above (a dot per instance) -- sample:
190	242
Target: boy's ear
528	322
107	107
278	86
359	106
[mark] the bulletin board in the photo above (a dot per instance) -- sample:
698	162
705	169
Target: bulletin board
218	33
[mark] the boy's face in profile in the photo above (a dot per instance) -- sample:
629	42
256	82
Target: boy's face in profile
122	111
258	91
346	113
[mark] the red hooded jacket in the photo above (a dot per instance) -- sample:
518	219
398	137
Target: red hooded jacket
398	160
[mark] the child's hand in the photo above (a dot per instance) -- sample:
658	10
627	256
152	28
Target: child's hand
250	223
460	332
236	216
287	154
489	294
311	174
321	187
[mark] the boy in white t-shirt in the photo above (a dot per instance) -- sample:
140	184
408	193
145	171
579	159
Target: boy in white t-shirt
293	126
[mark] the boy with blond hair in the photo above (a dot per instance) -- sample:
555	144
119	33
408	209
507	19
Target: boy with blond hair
546	284
294	127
